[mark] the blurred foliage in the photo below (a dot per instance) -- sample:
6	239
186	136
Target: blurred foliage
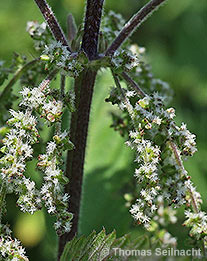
175	39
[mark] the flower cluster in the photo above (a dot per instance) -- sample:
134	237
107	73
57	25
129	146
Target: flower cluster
147	174
10	249
160	146
17	150
196	219
163	217
52	190
58	55
124	60
143	75
198	224
39	100
39	33
52	194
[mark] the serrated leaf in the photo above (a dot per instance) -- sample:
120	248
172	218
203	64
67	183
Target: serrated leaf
93	247
87	246
83	247
96	244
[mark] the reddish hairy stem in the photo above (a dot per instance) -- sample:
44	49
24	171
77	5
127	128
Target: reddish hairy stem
132	24
133	84
91	28
52	22
84	85
75	158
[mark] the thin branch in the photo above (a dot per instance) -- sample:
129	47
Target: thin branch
2	198
52	22
61	96
15	78
47	81
133	84
132	24
91	27
62	86
180	164
126	101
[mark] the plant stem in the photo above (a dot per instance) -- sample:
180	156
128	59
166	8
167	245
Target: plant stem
133	84
62	86
125	99
2	198
91	27
132	24
75	158
52	22
84	85
47	81
180	164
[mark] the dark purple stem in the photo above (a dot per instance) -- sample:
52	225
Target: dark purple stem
75	158
133	84
84	85
91	28
52	22
132	24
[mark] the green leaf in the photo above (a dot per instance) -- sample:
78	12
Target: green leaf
92	247
99	247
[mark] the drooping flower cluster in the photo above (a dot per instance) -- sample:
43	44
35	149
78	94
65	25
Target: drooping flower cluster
160	146
39	100
198	224
164	216
17	150
52	194
147	174
10	249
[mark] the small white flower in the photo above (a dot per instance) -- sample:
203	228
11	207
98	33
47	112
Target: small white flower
51	146
170	112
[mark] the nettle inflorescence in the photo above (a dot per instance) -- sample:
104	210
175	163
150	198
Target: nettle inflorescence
160	147
145	121
37	103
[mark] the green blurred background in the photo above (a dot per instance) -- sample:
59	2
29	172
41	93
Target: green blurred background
176	41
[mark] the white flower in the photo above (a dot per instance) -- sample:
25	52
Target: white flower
29	184
67	227
157	120
170	112
138	216
135	208
153	208
27	149
65	197
51	209
145	219
51	146
130	93
57	225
